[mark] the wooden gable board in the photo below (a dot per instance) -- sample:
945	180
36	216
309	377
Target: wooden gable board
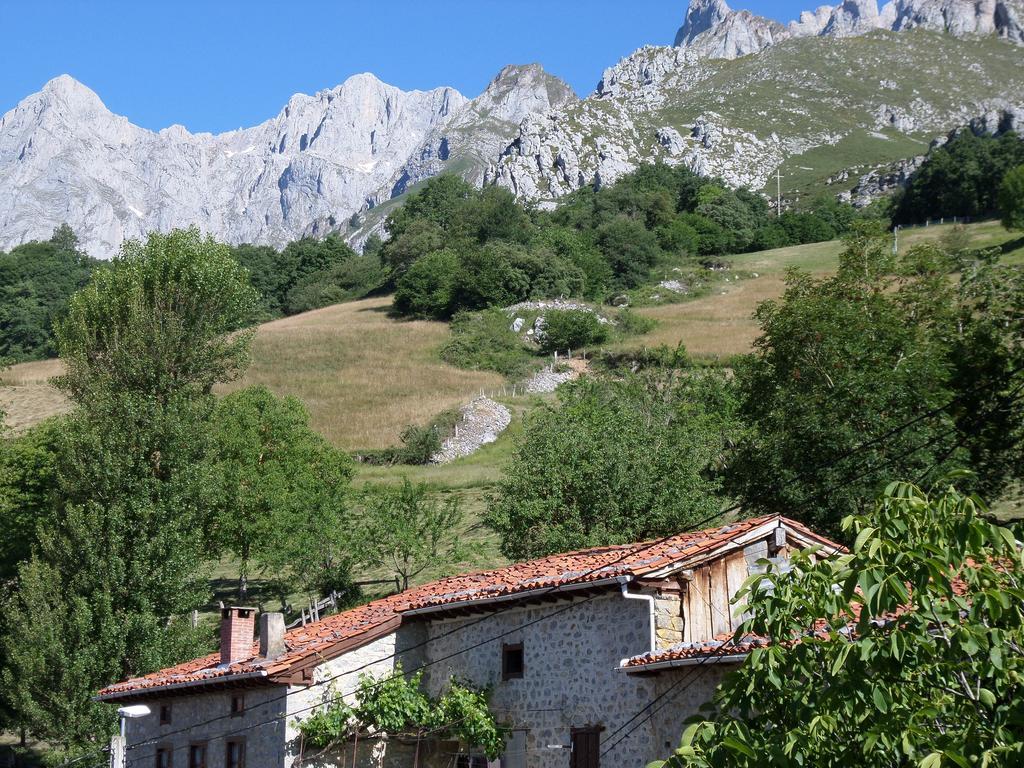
720	609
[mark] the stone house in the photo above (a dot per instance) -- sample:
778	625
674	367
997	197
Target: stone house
592	657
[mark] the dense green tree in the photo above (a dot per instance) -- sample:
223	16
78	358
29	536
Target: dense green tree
440	201
406	530
26	490
119	551
308	274
1011	198
36	281
268	275
629	248
494	214
492	276
960	178
578	249
158	321
427	288
276	474
842	361
904	652
620	459
416	239
569	329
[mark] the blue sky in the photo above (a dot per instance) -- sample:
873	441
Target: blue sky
221	64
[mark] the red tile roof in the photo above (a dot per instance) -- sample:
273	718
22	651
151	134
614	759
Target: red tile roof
317	640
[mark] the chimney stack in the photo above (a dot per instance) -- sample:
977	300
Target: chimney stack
236	633
271	635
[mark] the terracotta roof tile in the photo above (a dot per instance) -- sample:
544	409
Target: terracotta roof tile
570	568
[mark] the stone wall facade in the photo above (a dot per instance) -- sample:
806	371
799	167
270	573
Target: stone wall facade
207	719
570	677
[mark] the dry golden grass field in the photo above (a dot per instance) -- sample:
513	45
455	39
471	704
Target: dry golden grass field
364	375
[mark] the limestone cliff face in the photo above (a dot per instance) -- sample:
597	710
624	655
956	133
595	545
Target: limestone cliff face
65	158
887	94
714	30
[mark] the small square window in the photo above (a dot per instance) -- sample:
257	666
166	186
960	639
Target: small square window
163	757
165	714
234	755
237	706
197	756
512	666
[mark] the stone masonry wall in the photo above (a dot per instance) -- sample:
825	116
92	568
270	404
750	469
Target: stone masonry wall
570	678
206	718
696	685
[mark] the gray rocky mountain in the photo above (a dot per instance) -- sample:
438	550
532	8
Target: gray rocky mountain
65	158
712	29
741	97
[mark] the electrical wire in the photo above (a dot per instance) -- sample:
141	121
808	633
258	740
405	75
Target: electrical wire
626	554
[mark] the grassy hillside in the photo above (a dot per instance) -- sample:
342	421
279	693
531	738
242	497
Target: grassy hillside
365	375
722	325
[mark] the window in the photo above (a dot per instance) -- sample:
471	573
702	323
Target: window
586	748
197	756
471	761
237	705
234	755
512	666
163	757
165	714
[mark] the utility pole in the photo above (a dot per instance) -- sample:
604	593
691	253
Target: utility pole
778	193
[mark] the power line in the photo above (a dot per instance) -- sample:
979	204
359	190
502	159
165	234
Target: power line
627	553
977	421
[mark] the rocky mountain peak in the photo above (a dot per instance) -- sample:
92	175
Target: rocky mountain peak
70	96
716	31
521	89
713	30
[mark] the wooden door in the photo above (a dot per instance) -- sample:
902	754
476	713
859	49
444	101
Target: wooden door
586	748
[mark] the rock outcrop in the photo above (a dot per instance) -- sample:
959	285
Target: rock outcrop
738	97
713	30
480	422
65	158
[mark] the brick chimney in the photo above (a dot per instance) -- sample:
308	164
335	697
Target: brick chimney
236	633
271	635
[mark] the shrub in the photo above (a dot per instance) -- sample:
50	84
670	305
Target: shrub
426	289
571	329
485	341
629	323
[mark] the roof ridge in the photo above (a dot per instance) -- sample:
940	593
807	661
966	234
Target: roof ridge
345	626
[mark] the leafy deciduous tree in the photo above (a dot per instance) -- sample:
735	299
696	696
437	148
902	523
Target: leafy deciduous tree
906	651
616	461
406	530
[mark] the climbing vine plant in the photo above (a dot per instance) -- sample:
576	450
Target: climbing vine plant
397	705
